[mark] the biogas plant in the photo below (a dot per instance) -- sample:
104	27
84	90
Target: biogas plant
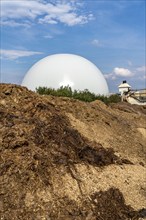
66	70
79	73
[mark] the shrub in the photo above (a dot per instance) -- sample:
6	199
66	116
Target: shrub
84	95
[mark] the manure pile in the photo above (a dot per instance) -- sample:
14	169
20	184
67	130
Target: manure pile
62	159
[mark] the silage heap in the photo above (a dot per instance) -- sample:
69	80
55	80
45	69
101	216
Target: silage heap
66	159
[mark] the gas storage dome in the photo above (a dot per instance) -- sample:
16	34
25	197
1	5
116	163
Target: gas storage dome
71	70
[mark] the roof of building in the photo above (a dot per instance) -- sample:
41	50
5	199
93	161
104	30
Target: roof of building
124	85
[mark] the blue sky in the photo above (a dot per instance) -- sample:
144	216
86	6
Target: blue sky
110	33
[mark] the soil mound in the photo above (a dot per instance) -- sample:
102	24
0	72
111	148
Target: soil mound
63	159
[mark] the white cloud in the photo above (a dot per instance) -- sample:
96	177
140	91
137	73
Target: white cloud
119	72
129	62
141	73
48	36
21	12
141	69
110	76
122	72
72	19
15	54
96	43
12	23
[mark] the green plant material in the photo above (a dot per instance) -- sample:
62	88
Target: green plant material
84	95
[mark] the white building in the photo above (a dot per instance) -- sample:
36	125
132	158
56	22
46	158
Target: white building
132	96
124	87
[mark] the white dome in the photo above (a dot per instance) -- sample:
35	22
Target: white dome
63	70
